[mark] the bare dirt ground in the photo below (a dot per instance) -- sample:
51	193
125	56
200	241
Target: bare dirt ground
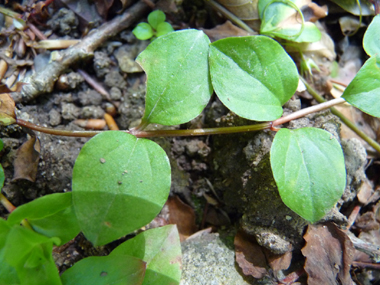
222	183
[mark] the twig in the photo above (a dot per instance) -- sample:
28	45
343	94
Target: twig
352	218
230	16
7	205
366	265
368	248
94	84
43	82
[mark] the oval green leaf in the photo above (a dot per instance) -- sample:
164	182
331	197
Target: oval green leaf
371	41
160	248
143	31
253	76
178	82
51	215
308	167
104	270
364	90
155	18
120	183
163	29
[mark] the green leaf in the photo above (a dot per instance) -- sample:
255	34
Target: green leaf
143	31
1	144
155	18
99	270
31	255
6	120
178	82
8	275
364	90
371	41
51	215
308	167
278	20
366	7
120	183
160	248
163	29
253	76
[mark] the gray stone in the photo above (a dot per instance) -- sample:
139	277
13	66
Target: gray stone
206	260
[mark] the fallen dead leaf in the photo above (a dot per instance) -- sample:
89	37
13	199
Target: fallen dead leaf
224	31
181	215
250	256
278	261
26	161
329	255
365	192
7	110
367	222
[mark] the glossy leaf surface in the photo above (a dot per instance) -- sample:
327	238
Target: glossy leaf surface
253	76
104	270
160	248
51	215
309	170
120	183
364	90
178	83
371	41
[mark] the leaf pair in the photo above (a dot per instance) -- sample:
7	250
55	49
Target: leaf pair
253	76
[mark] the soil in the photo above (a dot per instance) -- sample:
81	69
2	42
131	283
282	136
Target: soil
233	170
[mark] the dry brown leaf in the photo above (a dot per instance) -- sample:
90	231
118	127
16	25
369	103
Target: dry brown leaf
26	161
250	256
365	192
224	31
246	10
7	105
367	222
102	6
181	215
329	255
291	278
278	261
7	110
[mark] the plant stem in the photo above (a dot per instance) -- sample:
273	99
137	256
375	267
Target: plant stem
346	121
202	132
7	205
149	134
55	131
307	111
